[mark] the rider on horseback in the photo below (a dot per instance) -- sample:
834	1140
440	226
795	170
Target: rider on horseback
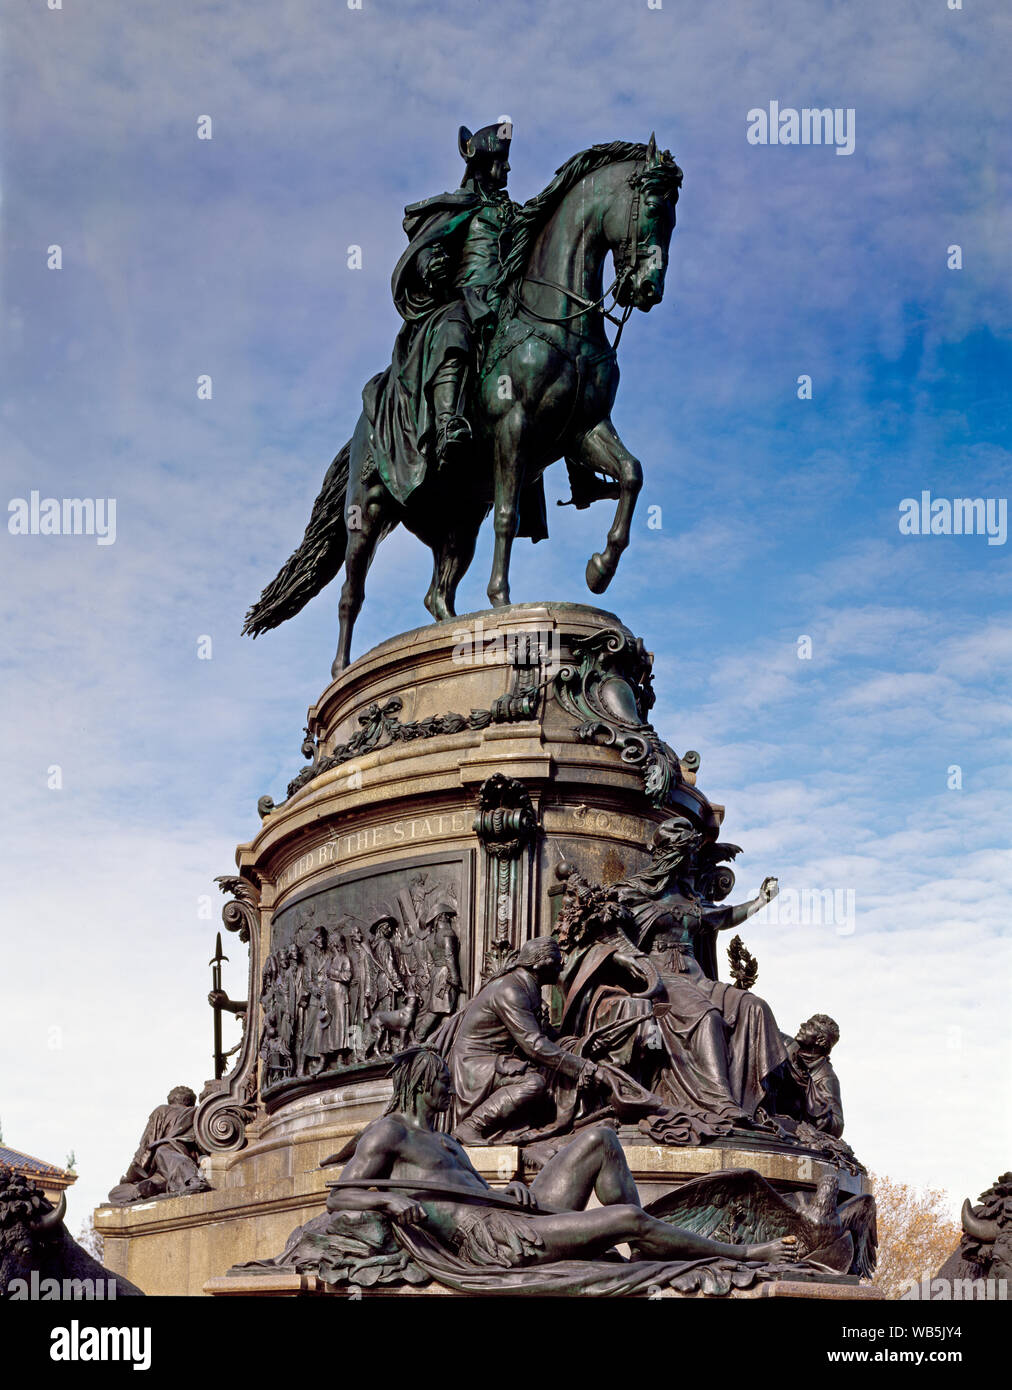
546	262
443	289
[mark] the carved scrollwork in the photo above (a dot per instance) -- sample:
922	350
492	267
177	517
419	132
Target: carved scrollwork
227	1106
225	1128
506	820
608	687
232	913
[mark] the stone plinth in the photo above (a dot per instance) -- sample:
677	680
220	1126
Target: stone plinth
454	704
177	1244
797	1288
308	1285
452	769
545	703
659	1168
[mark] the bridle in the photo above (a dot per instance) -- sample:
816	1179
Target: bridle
628	254
627	257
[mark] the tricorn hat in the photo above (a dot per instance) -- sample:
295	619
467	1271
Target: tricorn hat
384	913
492	141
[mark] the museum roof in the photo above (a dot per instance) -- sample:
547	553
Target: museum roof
33	1167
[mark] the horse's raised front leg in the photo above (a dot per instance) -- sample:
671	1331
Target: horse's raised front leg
601	448
509	471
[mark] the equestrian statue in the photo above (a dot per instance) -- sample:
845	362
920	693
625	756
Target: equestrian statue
502	367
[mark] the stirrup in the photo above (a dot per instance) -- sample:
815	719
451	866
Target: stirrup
452	432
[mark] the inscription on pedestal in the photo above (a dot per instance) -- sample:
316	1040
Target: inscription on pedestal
396	834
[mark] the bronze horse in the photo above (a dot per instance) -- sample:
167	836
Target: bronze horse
544	391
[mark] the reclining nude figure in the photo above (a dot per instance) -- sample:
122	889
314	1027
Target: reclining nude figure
484	1227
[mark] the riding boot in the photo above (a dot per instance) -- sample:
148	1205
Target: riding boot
453	433
492	1116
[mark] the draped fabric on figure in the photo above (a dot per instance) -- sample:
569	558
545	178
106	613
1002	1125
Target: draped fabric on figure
314	1015
398	402
501	1056
167	1157
335	980
444	288
609	994
721	1043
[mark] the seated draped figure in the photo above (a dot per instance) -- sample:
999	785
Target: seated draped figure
167	1159
642	953
647	1034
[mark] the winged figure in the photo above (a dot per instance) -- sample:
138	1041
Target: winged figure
738	1206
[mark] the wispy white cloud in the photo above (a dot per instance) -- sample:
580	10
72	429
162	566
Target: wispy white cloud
228	257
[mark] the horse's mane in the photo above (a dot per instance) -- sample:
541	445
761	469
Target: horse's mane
664	176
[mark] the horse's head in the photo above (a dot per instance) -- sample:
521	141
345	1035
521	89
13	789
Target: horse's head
638	226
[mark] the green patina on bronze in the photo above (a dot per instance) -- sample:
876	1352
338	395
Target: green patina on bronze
501	368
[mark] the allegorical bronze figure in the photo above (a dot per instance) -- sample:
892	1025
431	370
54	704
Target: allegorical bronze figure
502	367
985	1250
502	1060
166	1161
451	1222
410	1207
707	1048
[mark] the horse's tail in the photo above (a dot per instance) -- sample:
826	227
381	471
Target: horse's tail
317	560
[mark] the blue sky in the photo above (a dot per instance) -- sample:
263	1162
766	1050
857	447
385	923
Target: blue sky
780	517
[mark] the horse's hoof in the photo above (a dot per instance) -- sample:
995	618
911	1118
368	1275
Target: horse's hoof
599	575
337	667
499	600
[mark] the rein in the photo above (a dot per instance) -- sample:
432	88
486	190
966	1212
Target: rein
589	306
626	256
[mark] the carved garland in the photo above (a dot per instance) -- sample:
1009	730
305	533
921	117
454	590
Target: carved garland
381	726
